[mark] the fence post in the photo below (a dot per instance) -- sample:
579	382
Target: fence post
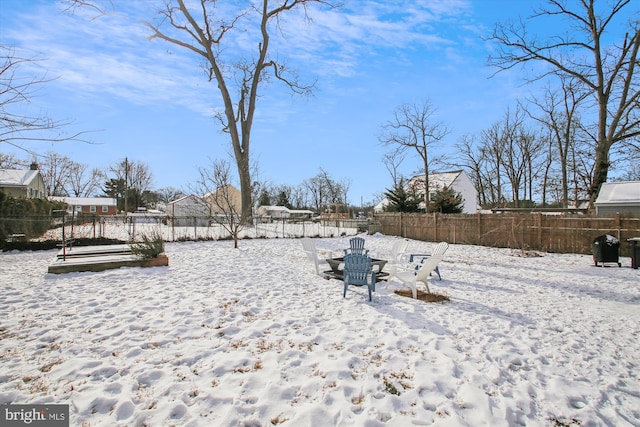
435	227
133	229
479	228
539	221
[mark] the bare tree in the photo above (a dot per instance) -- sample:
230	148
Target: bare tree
83	183
136	178
513	151
392	161
324	190
548	160
492	152
559	114
169	194
10	161
343	187
97	6
413	128
314	188
513	158
216	183
607	72
16	91
532	147
299	197
472	160
55	170
205	31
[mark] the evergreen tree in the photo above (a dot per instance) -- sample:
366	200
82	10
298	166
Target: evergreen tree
115	188
264	199
401	200
446	200
283	200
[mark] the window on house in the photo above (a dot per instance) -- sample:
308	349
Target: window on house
92	209
105	209
78	208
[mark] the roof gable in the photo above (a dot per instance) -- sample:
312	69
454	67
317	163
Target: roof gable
230	190
17	177
186	199
437	180
86	201
619	192
276	208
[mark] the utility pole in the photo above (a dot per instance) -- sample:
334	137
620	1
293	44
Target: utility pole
126	183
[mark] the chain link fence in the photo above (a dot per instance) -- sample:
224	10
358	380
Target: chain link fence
69	228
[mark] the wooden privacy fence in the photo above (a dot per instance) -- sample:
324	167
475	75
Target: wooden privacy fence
562	233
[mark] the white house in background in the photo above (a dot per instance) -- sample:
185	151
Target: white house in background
457	180
272	212
23	182
282	212
89	205
189	211
621	197
147	216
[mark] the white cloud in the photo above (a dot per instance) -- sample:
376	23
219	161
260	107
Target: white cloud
111	54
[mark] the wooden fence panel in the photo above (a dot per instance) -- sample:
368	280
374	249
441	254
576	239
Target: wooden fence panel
562	233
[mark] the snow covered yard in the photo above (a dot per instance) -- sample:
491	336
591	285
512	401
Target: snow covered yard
253	337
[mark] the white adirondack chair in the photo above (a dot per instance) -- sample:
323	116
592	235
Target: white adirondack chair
398	249
309	248
419	273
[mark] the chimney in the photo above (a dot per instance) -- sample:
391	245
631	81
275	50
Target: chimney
34	166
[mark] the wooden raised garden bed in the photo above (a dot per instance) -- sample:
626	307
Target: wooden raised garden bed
101	259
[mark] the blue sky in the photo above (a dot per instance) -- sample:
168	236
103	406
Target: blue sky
149	101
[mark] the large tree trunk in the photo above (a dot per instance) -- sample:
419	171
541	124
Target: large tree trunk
245	187
206	41
600	171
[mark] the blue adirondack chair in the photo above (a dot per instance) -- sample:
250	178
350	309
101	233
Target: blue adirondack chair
357	271
356	246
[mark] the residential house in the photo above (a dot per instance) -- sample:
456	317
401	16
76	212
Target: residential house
224	201
300	214
23	183
270	213
618	197
189	211
147	216
101	206
457	180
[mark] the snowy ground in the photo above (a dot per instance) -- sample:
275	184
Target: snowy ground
252	337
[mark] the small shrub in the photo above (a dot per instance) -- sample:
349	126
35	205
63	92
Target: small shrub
149	247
